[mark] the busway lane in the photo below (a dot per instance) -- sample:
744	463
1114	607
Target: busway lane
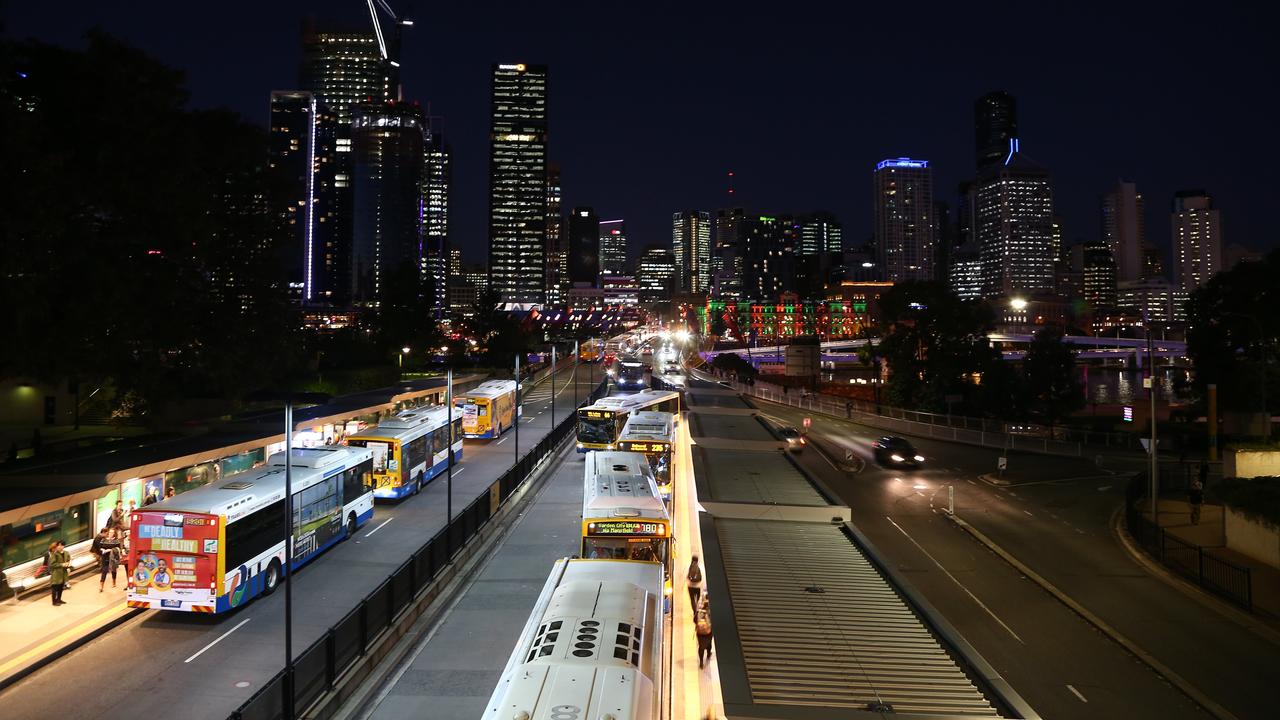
205	666
1059	663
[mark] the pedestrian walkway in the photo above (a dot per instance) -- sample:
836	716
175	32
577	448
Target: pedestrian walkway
32	628
1210	534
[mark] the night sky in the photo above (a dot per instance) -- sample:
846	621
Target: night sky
652	104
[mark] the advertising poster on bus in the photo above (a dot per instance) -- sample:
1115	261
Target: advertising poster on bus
173	558
469	414
317	516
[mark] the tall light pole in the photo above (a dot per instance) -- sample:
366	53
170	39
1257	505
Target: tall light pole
288	560
400	358
516	410
575	376
1155	467
448	503
553	385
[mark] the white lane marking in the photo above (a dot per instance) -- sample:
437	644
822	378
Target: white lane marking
215	642
970	481
1028	513
1077	694
457	471
957	582
1104	488
500	441
384	524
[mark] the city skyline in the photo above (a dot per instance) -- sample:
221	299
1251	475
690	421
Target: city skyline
1061	117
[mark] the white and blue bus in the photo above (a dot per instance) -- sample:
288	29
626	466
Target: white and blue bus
410	449
214	548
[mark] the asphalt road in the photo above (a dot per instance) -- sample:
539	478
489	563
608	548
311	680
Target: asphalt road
1058	524
199	666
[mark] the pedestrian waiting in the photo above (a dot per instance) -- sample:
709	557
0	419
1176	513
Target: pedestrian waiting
702	626
59	562
695	582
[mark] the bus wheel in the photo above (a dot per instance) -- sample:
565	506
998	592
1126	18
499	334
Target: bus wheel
417	486
272	579
351	525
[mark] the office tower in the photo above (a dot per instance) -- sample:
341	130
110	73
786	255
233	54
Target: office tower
1013	223
1197	238
613	247
1097	270
341	69
656	274
965	274
1156	300
904	228
557	252
1055	237
726	253
387	164
584	246
995	124
945	243
1124	229
292	168
436	176
820	233
518	184
768	257
691	245
455	263
1152	261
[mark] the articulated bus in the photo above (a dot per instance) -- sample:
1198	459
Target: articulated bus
410	449
214	548
623	516
600	424
652	434
488	409
592	647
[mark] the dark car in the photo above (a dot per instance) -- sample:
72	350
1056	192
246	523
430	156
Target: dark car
795	441
896	452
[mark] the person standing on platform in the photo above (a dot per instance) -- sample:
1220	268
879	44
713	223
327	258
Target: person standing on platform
695	582
59	569
703	628
1195	495
108	557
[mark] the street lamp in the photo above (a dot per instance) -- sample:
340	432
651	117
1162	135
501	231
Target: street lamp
403	351
1018	303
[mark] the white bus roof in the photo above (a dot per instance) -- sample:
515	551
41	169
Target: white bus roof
614	664
641	399
620	485
241	493
490	389
649	426
410	423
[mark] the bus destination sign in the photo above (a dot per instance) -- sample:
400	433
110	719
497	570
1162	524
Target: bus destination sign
627	527
631	446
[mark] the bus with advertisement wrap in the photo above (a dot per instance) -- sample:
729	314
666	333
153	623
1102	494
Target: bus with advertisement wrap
623	516
214	548
410	449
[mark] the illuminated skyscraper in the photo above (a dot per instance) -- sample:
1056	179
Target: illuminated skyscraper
768	257
995	124
436	176
300	165
388	142
1124	230
905	235
613	247
1013	224
820	233
655	274
557	251
1197	239
726	253
341	68
691	245
518	184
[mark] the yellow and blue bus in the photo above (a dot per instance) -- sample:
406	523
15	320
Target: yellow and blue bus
600	424
623	515
488	409
409	450
652	434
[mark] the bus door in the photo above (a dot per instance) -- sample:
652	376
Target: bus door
175	561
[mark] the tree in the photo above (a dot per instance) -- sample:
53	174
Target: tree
1052	390
1233	333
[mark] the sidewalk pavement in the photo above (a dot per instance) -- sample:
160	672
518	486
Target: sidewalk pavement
32	629
1210	534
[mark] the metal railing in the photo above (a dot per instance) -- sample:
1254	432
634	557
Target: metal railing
318	667
1192	561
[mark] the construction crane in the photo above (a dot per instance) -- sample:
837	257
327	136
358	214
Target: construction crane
377	26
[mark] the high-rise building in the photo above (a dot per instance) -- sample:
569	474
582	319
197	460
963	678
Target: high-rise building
768	257
557	252
613	247
1013	224
518	184
995	124
436	176
584	246
691	244
1097	270
1197	238
656	274
820	233
944	243
965	275
726	253
1124	229
388	156
1156	300
293	170
341	68
455	263
904	228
